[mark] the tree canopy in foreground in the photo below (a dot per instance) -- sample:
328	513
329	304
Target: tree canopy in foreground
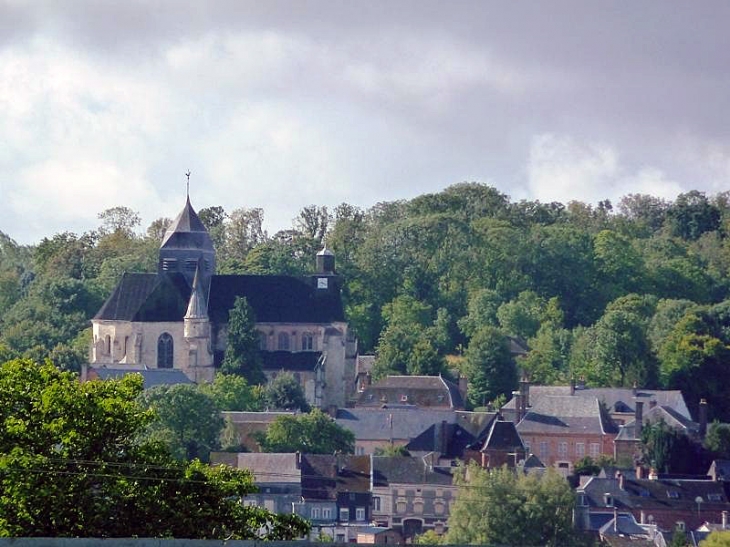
72	465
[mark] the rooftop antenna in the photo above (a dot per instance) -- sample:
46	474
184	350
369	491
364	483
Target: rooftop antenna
187	190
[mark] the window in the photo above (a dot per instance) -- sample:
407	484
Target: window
527	446
544	449
360	514
307	341
400	507
438	508
359	450
284	340
680	525
673	494
344	515
315	513
169	264
595	450
263	341
376	504
563	449
580	450
326	513
108	344
418	507
164	351
714	497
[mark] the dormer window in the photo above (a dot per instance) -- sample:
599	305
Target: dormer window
673	494
404	398
608	500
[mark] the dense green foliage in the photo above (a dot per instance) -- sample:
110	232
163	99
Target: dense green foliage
285	393
501	507
313	433
242	355
636	293
73	464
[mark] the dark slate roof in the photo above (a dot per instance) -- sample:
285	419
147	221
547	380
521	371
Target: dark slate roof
165	297
424	391
616	399
623	524
187	232
152	377
391	423
561	414
533	462
291	361
503	436
271	468
275	299
389	470
659	413
324	476
660	494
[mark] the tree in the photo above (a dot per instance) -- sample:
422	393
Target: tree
392	450
72	465
500	507
285	393
669	450
313	433
233	393
120	220
717	440
242	355
718	538
489	366
187	420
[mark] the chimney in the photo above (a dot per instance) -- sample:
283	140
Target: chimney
517	396
463	385
525	389
635	388
572	385
703	417
642	517
639	472
639	417
724	520
621	480
298	460
581	383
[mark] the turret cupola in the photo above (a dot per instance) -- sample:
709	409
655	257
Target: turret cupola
187	244
325	261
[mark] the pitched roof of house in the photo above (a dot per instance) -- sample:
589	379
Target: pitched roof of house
389	470
324	475
623	524
668	415
660	494
620	400
376	424
720	469
147	297
423	391
503	436
271	468
151	377
558	414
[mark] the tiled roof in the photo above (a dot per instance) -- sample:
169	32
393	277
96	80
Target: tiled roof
324	476
558	414
389	470
386	424
152	377
659	413
424	391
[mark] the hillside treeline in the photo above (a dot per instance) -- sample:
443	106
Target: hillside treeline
631	294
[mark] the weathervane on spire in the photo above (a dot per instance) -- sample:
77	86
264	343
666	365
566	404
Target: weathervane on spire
187	191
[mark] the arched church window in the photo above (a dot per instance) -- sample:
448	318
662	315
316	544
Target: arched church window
263	341
284	340
307	341
164	351
108	344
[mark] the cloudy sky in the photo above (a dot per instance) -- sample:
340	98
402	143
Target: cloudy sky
282	104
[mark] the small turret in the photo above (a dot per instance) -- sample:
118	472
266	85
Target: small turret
196	326
326	261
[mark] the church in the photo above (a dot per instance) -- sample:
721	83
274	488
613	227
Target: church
176	319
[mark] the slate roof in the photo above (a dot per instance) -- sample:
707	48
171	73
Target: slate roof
656	494
623	524
324	476
389	470
563	414
616	399
720	470
503	436
152	377
275	299
271	468
671	417
423	391
386	424
290	361
147	297
187	231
